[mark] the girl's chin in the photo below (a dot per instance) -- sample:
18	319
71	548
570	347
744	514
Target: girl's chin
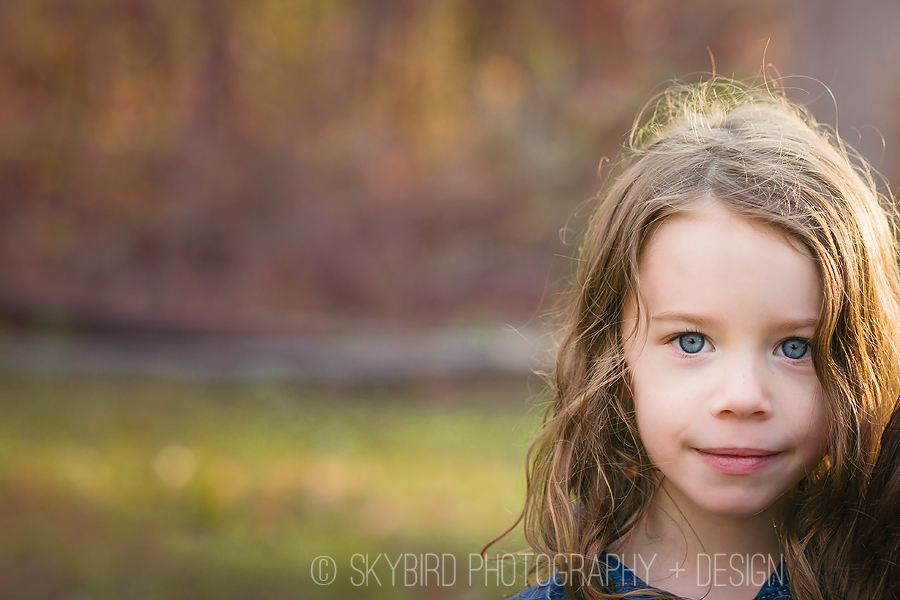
738	509
732	504
727	503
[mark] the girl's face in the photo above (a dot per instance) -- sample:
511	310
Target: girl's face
727	402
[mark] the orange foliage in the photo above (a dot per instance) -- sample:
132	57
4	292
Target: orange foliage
196	161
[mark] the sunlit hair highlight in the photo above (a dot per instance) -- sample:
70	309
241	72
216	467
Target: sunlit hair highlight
765	159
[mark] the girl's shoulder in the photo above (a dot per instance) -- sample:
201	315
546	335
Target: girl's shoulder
618	578
549	589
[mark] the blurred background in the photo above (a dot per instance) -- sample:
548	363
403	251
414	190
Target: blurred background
273	273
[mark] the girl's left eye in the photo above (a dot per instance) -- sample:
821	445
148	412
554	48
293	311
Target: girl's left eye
793	348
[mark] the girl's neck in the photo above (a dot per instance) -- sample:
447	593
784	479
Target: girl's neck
685	551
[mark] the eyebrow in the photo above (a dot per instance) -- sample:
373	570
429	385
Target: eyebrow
701	321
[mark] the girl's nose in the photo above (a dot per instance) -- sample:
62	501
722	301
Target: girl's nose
743	391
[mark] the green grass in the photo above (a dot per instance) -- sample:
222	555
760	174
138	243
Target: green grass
149	489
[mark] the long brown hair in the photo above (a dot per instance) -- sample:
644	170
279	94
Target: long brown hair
875	566
764	158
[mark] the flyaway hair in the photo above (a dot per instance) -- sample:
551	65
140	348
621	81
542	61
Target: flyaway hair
765	159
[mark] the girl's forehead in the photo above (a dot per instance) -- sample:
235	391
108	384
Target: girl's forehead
713	261
705	206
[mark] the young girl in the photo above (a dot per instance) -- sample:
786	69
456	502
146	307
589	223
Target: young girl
728	362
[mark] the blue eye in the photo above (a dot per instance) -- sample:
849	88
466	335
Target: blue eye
794	348
691	343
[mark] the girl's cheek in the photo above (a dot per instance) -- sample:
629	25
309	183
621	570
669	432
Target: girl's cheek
818	421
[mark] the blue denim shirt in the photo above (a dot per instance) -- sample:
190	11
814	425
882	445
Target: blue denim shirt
621	579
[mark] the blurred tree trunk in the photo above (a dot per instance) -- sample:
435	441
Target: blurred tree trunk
213	106
853	48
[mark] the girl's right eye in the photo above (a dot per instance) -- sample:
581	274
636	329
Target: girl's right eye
691	343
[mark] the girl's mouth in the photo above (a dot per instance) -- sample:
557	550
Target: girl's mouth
737	461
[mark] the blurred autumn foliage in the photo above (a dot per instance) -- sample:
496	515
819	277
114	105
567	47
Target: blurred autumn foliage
211	163
311	166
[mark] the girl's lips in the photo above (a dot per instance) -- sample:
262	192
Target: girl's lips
737	461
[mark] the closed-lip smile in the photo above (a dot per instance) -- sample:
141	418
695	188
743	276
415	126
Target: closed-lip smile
737	461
